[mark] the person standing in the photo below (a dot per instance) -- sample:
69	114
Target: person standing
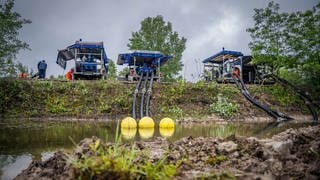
42	67
69	75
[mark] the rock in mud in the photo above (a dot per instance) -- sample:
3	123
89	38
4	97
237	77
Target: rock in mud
227	147
55	167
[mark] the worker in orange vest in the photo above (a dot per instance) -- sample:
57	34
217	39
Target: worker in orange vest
69	75
23	75
236	73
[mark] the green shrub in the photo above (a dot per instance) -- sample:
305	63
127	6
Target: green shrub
173	111
216	160
119	162
223	107
285	96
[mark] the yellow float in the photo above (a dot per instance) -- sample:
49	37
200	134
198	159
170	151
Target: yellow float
128	133
146	122
166	123
146	133
128	122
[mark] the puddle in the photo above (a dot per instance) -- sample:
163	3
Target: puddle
22	141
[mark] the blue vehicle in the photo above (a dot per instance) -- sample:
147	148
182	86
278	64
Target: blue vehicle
90	59
141	62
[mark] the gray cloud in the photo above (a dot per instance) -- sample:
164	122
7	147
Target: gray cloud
208	26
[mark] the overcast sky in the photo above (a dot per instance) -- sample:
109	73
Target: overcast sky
208	26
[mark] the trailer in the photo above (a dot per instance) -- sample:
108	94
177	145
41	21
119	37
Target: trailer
90	60
234	67
144	66
141	62
223	64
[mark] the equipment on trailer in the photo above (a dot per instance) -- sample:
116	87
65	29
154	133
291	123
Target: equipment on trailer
233	66
90	59
144	66
222	65
141	62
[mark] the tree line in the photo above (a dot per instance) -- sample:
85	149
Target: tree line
289	42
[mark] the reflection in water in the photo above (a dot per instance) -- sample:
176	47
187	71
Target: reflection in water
128	133
22	141
166	132
146	133
13	165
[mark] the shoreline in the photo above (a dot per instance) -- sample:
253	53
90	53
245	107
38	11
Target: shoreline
298	118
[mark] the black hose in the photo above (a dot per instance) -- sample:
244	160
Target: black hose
136	91
246	94
142	94
307	99
149	94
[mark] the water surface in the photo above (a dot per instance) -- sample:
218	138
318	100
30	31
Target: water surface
22	141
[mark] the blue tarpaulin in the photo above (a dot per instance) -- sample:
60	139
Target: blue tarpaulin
87	45
219	56
143	57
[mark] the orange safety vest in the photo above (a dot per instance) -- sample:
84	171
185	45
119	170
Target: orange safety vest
69	75
237	73
23	75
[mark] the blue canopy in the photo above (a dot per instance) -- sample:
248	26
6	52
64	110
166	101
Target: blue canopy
143	57
220	56
87	45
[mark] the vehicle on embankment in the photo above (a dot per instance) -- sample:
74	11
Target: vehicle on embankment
90	60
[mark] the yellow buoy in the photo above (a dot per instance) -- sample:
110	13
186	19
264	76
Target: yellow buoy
128	133
166	132
146	122
166	123
146	133
128	122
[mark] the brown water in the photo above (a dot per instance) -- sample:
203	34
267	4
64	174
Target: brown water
22	141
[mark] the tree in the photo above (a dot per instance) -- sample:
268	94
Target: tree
288	41
20	68
157	35
10	23
268	36
112	71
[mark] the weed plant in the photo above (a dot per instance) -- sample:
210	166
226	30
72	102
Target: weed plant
224	107
118	161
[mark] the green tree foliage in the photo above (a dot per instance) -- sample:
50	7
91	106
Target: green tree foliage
268	39
10	23
21	68
112	71
157	35
290	42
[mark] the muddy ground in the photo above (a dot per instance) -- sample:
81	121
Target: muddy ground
292	154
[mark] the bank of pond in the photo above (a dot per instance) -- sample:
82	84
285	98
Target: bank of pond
22	141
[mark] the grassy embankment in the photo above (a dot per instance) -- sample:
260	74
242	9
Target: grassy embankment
113	99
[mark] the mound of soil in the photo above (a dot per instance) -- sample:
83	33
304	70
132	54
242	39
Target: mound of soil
292	154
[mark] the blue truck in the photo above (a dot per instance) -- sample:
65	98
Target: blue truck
90	60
